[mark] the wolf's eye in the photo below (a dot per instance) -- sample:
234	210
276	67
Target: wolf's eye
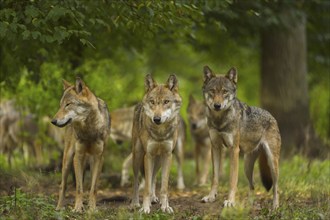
152	102
67	104
225	91
166	102
212	91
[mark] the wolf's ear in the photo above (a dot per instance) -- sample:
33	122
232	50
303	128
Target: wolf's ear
208	74
172	82
232	75
80	85
149	82
66	84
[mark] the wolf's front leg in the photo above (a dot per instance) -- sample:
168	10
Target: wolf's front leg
78	161
154	198
233	178
179	155
216	152
137	160
66	166
97	167
148	168
166	165
125	169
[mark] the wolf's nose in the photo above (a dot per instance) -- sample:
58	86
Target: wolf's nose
157	120
217	106
193	126
54	121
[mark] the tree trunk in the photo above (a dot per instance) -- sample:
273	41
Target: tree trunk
284	90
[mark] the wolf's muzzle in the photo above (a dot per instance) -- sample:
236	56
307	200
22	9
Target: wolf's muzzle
217	106
54	122
157	120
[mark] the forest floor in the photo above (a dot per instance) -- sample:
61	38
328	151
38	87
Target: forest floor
304	194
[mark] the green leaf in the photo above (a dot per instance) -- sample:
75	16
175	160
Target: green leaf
3	29
35	34
60	34
56	13
13	27
26	34
35	22
151	12
83	41
86	42
50	39
31	11
101	22
21	26
92	21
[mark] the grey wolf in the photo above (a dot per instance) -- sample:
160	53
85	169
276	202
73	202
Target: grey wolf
87	125
122	124
121	130
237	126
154	136
18	130
200	135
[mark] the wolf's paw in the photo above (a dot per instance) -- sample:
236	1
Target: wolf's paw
78	208
209	198
154	200
167	209
228	203
92	206
145	209
59	208
134	205
92	210
275	206
180	185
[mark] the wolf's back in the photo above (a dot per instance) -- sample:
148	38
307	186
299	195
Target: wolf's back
259	126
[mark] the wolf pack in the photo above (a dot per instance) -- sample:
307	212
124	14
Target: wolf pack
156	132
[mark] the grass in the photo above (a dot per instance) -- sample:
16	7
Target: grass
304	194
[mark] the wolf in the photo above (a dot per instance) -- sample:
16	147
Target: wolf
154	136
18	130
237	126
200	134
122	124
87	126
121	130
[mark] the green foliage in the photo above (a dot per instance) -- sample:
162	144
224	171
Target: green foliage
319	66
24	206
65	29
319	107
123	74
113	44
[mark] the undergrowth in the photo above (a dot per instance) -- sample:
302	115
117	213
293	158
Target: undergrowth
304	194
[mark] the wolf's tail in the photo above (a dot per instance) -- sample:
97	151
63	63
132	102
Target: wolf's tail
265	172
